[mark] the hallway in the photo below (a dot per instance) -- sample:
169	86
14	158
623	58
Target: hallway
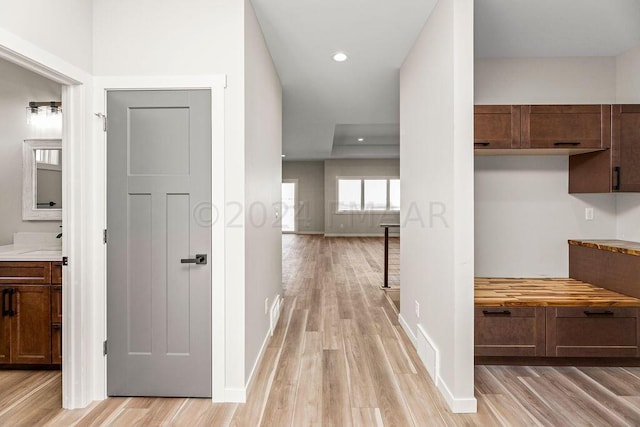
340	358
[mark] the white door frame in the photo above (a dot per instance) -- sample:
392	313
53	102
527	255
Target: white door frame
76	192
217	85
296	204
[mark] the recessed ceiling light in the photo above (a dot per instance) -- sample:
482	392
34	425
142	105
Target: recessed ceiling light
284	155
340	57
360	139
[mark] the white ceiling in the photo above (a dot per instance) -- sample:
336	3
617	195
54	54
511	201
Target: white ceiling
323	98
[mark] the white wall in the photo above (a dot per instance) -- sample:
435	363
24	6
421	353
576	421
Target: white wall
524	216
524	213
151	37
263	178
436	127
60	28
628	91
17	88
355	223
310	176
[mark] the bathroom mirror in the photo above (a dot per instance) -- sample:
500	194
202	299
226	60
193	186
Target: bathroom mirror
42	180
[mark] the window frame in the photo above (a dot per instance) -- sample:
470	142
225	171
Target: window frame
362	209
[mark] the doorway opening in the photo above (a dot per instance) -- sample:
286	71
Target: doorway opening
289	206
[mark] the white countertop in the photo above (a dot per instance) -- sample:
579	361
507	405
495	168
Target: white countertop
30	246
30	253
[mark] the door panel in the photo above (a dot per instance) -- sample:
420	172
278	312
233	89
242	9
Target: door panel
31	329
159	309
5	326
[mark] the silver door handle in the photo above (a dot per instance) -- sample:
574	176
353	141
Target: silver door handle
199	259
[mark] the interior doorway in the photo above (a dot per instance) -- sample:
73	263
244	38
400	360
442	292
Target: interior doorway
289	206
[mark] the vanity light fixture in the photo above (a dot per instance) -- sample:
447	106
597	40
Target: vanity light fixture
360	139
43	114
284	155
340	57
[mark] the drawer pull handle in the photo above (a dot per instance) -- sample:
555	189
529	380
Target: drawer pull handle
599	313
496	313
562	143
482	144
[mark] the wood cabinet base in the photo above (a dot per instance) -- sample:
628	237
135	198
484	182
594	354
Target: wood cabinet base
558	361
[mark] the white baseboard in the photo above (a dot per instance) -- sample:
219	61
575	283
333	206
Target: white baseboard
235	395
310	232
358	235
408	330
274	315
457	406
430	358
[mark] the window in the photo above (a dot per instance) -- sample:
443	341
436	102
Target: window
368	194
394	194
349	195
375	194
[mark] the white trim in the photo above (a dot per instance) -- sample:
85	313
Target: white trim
457	406
359	235
217	85
76	315
255	367
408	330
309	232
235	395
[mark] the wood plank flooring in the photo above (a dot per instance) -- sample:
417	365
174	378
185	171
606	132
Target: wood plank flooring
340	358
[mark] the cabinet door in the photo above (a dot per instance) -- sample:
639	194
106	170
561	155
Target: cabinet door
56	304
496	126
56	273
592	332
5	327
31	325
509	331
56	343
566	126
626	147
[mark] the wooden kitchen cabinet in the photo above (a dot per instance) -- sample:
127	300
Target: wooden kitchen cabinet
566	126
56	343
496	126
593	332
614	170
510	331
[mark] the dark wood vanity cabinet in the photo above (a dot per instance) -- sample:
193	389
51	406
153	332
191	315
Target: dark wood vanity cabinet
510	331
31	313
593	332
566	126
496	126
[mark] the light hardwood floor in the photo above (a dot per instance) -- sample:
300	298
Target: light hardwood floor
340	358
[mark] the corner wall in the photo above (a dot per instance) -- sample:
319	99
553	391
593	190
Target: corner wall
17	87
263	189
436	127
628	92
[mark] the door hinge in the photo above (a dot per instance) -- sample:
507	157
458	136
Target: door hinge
65	260
104	120
104	348
104	236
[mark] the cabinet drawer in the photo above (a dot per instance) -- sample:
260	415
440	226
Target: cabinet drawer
592	332
29	273
509	331
496	126
566	126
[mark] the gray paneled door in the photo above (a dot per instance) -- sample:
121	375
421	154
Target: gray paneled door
159	299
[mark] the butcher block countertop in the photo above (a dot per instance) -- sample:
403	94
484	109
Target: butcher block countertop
619	246
492	292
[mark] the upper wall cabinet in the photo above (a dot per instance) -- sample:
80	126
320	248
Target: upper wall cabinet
614	170
566	126
497	126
